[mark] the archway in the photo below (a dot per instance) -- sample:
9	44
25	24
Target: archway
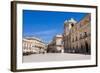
86	47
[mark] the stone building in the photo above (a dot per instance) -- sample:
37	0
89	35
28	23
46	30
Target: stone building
67	34
33	45
77	35
56	46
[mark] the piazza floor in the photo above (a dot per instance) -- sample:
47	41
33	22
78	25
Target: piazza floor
55	57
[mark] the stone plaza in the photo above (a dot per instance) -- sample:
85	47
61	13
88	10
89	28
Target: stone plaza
49	57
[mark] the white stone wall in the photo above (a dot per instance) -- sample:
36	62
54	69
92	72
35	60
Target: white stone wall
33	46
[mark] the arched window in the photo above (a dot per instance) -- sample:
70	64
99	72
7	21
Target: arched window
80	36
73	40
85	34
76	38
72	25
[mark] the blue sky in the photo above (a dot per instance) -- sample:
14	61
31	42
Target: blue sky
46	24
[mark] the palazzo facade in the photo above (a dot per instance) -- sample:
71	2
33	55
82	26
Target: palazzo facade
77	35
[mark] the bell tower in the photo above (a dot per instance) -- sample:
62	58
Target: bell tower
68	24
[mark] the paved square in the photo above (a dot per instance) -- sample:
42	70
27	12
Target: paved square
55	57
